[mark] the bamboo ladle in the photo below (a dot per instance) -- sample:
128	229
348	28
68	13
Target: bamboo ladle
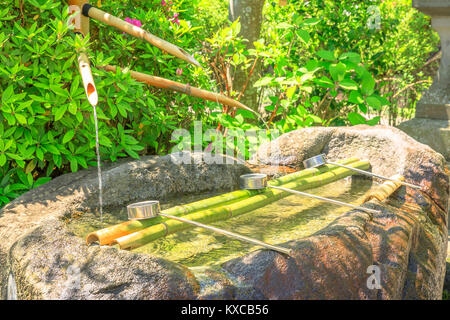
151	209
256	181
321	160
102	16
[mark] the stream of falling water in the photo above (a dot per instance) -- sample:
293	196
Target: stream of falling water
99	168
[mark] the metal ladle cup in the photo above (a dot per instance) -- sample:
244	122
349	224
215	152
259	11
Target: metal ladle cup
321	160
256	181
151	209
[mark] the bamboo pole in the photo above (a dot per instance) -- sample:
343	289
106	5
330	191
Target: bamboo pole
88	80
183	88
269	195
107	235
383	191
81	22
113	21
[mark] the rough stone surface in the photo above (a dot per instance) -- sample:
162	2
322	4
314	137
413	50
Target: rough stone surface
407	241
37	250
432	132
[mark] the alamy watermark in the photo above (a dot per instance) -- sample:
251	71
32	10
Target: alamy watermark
374	280
237	146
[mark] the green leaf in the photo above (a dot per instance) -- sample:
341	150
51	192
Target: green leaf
326	55
355	97
73	107
304	36
311	21
39	154
350	56
337	71
348	84
2	159
59	91
373	121
325	82
263	82
284	25
41	181
374	102
21	118
355	118
52	149
68	136
60	112
367	84
74	165
14	156
290	91
7	94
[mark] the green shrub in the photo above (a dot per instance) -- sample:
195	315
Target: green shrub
46	123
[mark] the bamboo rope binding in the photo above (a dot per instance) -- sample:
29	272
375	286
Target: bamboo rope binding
107	235
385	190
183	88
269	195
120	24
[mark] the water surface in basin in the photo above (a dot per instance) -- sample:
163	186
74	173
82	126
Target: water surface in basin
293	217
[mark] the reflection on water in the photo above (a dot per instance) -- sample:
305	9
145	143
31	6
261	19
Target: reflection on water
293	217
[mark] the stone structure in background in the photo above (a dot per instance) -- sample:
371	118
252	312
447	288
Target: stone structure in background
432	122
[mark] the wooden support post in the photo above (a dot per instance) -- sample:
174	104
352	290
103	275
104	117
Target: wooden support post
81	22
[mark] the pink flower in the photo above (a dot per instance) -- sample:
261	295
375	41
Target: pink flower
175	15
179	71
136	22
163	3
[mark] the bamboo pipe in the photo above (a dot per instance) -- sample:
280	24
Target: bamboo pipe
270	195
183	88
102	16
88	80
107	235
383	191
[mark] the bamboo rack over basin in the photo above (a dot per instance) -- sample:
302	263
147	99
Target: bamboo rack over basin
270	195
107	235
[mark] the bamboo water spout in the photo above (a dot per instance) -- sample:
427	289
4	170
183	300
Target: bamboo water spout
107	235
160	230
102	16
88	80
183	88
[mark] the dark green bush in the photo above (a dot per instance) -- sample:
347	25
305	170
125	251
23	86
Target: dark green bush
46	123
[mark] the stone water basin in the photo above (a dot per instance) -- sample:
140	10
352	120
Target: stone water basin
293	217
43	253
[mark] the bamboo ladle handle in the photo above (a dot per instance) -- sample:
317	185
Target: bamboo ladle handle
229	234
